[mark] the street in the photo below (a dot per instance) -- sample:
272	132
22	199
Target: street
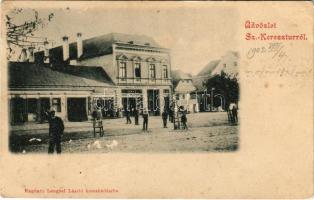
208	132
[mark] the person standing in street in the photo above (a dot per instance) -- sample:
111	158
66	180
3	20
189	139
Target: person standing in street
128	116
165	117
56	128
184	120
230	111
136	116
235	114
171	114
145	120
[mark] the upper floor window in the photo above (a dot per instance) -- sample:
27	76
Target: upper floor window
235	63
164	71
225	65
122	70
137	70
152	71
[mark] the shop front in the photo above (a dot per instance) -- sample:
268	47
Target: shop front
132	99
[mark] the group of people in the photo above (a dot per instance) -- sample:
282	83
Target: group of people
166	115
135	112
56	126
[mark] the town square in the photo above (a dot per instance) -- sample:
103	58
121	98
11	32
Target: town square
207	132
80	91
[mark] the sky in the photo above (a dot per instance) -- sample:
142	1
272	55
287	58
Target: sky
195	35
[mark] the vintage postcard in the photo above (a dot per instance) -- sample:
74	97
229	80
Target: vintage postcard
156	99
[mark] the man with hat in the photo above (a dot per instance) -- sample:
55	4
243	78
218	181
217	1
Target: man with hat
145	119
56	129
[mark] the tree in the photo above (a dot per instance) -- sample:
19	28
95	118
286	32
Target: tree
21	35
225	85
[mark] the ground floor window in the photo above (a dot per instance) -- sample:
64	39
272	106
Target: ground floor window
56	104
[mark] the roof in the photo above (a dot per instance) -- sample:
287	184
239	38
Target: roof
184	86
88	72
178	75
30	75
198	82
209	68
101	45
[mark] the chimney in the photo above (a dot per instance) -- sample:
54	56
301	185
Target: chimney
46	52
65	48
79	45
23	56
30	54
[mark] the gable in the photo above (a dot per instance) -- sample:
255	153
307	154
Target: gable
137	58
122	57
185	86
151	59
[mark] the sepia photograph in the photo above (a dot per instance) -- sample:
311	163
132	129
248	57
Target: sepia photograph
154	100
119	80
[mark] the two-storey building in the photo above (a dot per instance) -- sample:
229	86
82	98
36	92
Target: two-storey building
138	67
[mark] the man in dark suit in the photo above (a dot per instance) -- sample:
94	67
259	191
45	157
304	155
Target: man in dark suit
145	120
165	117
56	129
128	116
136	116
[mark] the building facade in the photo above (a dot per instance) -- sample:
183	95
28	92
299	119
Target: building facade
229	64
137	66
184	91
36	88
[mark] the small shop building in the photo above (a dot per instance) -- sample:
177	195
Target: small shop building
72	91
185	92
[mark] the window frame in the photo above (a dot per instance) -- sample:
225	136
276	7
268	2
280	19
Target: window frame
137	66
56	106
152	71
165	71
122	68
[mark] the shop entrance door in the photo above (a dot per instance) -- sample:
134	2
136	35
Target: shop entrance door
18	110
153	102
129	103
76	109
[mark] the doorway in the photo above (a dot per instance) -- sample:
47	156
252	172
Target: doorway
76	109
18	112
153	102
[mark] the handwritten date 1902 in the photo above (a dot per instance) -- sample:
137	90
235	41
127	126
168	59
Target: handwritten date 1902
276	49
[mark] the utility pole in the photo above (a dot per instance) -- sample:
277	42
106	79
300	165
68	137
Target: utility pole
174	113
